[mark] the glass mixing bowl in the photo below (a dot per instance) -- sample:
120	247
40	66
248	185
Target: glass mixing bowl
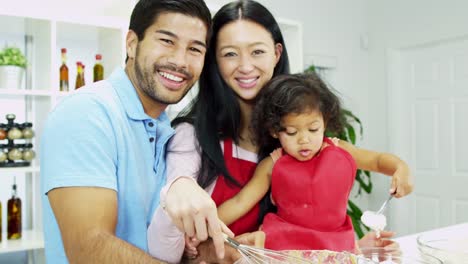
385	256
449	246
312	257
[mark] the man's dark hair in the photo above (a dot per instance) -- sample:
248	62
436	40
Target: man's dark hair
147	11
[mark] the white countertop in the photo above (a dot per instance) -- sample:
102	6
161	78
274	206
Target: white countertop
409	246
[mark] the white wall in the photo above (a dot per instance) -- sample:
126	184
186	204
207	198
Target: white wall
398	24
82	8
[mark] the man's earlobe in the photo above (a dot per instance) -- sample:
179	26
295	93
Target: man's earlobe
131	44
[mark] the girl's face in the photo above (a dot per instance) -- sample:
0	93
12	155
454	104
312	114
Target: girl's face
246	55
303	134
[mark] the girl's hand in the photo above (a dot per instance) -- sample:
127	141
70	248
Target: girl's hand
256	239
384	241
402	181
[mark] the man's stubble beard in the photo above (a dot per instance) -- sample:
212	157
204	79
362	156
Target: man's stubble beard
149	86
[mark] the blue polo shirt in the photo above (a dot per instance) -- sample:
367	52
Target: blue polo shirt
100	136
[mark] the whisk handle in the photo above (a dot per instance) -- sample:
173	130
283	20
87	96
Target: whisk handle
233	243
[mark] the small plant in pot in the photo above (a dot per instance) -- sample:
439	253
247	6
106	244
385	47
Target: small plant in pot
12	67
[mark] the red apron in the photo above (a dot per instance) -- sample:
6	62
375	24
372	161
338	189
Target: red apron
312	198
242	171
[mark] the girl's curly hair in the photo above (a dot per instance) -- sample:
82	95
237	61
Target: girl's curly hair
292	94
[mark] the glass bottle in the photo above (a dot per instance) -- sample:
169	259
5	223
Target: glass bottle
83	74
98	70
79	72
64	72
14	215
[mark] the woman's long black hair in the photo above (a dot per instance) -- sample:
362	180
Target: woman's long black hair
215	112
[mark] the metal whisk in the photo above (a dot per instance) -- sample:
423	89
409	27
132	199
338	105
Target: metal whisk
260	255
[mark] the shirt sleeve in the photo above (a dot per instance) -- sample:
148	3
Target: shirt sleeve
77	145
183	157
165	241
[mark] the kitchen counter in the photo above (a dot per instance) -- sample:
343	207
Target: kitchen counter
409	245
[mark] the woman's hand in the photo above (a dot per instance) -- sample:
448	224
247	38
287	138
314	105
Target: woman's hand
402	181
194	212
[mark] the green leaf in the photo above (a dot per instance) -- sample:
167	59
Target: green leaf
351	134
311	68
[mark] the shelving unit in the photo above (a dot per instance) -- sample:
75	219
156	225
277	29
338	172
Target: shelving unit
41	38
31	239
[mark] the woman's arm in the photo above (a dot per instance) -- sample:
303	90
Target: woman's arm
385	163
249	196
189	207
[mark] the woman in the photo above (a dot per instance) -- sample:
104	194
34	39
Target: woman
213	138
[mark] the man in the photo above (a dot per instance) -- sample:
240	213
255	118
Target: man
102	149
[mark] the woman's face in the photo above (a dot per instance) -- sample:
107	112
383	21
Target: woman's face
246	55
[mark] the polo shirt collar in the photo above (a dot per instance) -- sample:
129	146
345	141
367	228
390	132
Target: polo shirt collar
128	95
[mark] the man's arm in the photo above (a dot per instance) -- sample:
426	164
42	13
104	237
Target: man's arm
87	218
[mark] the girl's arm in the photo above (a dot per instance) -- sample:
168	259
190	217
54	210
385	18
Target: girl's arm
385	163
249	196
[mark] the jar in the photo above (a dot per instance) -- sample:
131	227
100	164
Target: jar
3	155
3	132
14	133
28	154
27	131
15	154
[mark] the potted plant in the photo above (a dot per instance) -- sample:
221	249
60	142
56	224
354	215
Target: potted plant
12	67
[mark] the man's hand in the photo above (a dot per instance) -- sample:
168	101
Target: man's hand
194	212
205	249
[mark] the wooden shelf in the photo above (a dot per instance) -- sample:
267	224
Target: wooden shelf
31	239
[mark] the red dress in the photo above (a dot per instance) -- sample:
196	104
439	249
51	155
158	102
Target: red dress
242	171
312	197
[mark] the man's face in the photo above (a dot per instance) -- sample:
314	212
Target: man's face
170	57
